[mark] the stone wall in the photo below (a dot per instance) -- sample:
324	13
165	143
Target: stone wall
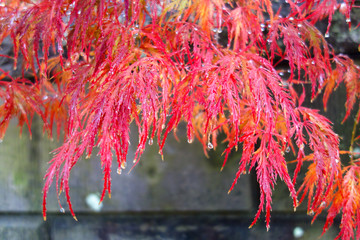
183	197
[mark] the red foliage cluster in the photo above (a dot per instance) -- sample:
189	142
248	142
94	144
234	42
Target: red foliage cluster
99	65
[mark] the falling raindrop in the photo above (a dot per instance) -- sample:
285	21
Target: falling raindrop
62	210
210	146
151	141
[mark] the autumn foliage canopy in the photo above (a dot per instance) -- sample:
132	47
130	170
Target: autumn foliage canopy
98	66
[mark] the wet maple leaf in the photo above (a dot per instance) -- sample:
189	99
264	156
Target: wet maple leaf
99	66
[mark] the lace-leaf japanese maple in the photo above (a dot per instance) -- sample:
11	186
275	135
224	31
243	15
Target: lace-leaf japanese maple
100	65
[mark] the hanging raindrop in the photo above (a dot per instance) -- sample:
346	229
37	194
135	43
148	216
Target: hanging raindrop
210	146
287	149
62	210
118	170
151	141
123	165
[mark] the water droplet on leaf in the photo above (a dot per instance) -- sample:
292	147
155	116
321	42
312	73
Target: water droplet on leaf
299	25
123	165
323	204
311	213
287	149
291	18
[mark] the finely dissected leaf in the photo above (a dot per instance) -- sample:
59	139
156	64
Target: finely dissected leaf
99	66
350	74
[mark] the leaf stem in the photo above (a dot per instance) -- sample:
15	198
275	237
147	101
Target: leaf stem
353	136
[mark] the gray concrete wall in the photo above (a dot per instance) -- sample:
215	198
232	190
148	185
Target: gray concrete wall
183	197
